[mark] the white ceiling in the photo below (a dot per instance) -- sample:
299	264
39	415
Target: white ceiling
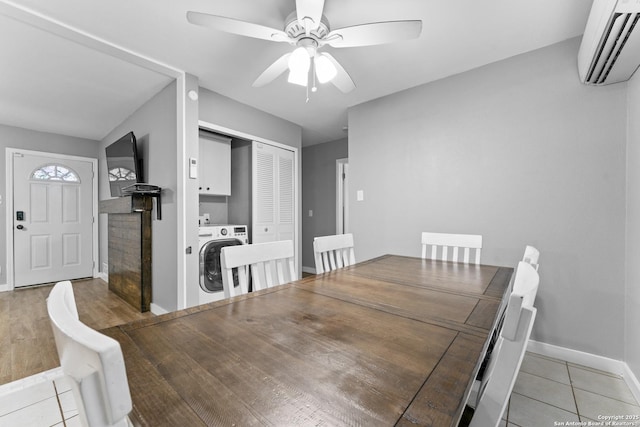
51	82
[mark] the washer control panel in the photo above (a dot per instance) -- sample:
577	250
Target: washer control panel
212	232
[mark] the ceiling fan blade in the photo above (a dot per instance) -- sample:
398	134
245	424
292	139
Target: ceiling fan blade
235	26
374	33
309	13
342	80
274	70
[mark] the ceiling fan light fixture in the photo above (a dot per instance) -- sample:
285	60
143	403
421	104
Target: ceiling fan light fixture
325	70
299	64
297	78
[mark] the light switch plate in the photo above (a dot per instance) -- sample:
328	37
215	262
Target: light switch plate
360	195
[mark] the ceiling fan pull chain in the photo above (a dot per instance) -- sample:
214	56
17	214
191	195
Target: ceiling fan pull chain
313	71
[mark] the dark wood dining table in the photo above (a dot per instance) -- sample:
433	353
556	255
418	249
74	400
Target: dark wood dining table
391	341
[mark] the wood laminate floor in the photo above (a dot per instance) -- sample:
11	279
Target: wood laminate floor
26	337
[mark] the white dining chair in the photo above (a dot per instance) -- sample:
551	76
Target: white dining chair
333	252
531	255
525	283
441	242
506	359
92	361
269	264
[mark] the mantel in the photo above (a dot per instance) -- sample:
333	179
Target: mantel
136	202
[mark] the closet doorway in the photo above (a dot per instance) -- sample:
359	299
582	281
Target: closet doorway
342	196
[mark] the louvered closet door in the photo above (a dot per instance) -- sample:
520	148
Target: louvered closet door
273	193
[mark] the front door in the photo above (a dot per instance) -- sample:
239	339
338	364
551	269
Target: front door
52	219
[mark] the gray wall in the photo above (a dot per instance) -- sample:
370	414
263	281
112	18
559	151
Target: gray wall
231	114
522	153
240	201
154	125
13	137
319	193
632	314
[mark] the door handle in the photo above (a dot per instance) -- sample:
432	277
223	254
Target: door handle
20	227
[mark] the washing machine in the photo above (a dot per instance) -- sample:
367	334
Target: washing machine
213	238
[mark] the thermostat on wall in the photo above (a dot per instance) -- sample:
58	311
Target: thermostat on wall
193	167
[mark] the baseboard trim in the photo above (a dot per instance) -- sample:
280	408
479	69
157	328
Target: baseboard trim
578	357
632	381
157	310
308	270
4	288
589	360
103	276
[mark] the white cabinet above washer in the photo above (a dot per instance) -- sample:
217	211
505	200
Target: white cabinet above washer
214	174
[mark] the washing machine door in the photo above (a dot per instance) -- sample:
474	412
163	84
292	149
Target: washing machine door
210	267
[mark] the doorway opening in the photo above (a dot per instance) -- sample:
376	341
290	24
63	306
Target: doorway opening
342	196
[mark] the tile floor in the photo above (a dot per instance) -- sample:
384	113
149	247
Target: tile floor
551	392
42	400
548	392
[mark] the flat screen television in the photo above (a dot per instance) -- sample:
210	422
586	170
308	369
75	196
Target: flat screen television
123	165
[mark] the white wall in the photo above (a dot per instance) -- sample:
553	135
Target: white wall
522	153
632	313
154	125
14	137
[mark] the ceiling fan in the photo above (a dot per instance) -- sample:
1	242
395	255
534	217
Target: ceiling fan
308	29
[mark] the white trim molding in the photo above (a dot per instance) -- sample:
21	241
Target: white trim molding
308	270
593	361
578	357
632	382
157	310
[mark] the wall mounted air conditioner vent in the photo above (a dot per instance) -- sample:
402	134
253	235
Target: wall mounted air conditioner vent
610	49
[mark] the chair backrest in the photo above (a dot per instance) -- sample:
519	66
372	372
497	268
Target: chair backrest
332	252
270	264
445	241
531	256
506	359
92	360
526	283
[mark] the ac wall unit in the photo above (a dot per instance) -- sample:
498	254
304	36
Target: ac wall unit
610	49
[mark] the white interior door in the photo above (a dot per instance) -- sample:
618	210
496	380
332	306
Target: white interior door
273	179
52	219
